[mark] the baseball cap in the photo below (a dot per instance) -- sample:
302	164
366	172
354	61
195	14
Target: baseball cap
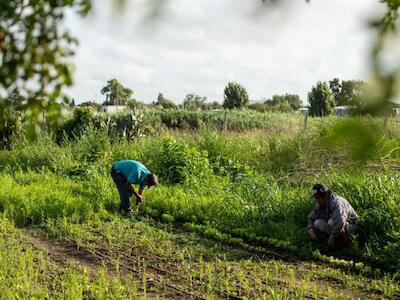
319	190
153	179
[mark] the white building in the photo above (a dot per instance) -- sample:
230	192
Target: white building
303	110
342	111
112	108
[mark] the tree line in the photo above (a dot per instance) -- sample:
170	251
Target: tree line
322	98
35	47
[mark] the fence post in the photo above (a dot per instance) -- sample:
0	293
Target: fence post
225	122
305	121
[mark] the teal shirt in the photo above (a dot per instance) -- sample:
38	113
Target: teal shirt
134	171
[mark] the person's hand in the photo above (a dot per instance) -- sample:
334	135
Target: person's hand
312	234
137	208
138	198
138	202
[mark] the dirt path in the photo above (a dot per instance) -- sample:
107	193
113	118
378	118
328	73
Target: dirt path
62	253
67	254
164	277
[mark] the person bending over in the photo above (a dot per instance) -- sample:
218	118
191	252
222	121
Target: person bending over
126	173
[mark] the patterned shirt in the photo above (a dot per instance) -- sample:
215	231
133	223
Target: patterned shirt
339	210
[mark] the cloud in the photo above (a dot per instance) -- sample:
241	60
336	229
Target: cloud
198	46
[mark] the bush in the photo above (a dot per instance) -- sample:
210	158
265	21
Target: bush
43	154
176	161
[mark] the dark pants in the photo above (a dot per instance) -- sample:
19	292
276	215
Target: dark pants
124	193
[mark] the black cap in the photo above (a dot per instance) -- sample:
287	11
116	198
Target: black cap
319	190
153	179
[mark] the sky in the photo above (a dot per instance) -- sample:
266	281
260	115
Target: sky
198	46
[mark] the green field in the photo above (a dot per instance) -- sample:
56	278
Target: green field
228	219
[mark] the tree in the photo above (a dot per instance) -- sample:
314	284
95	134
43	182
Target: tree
194	102
16	100
235	96
284	106
216	105
11	116
135	104
34	45
95	106
344	92
165	103
335	87
320	100
285	103
260	107
72	103
116	93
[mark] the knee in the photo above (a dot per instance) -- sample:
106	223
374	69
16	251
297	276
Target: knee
320	225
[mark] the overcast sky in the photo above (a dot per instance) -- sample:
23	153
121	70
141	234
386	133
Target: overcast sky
198	46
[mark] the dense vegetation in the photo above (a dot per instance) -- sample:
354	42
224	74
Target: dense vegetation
250	187
249	190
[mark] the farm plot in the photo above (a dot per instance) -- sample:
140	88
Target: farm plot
227	220
165	261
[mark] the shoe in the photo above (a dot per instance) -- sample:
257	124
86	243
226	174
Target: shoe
125	213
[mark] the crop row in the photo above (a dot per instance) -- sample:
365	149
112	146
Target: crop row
264	242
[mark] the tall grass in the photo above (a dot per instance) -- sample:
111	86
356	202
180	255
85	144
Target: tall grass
253	182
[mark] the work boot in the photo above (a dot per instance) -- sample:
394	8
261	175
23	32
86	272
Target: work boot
126	213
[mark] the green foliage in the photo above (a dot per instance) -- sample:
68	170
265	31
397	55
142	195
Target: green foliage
194	102
28	272
285	103
33	49
346	92
11	117
167	218
91	147
81	120
321	101
233	120
95	106
176	162
42	155
116	93
134	104
384	85
252	186
165	103
365	148
235	96
260	107
37	198
125	125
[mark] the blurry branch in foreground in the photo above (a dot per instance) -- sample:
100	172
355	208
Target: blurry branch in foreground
34	52
385	81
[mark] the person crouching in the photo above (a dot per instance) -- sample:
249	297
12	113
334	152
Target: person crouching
332	215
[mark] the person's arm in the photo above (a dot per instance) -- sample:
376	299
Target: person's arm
129	187
139	198
132	191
